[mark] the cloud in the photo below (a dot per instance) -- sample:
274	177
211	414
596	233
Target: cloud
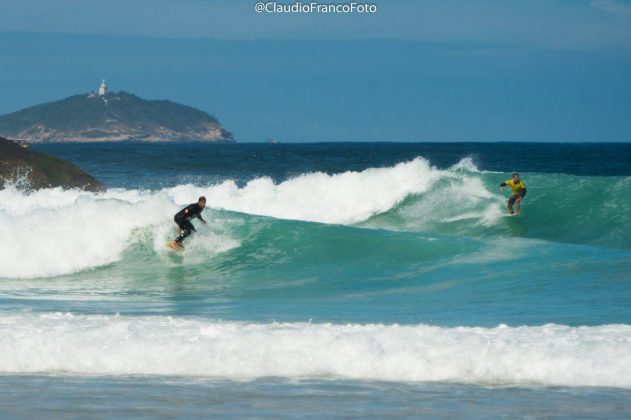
613	6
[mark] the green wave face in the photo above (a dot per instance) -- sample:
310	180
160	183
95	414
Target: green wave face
382	245
557	207
260	268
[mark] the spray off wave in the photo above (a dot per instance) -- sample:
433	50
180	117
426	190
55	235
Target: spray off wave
112	345
54	232
344	198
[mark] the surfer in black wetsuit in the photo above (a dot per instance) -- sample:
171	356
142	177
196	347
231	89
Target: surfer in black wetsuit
185	227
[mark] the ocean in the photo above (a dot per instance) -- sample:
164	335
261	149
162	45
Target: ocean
332	279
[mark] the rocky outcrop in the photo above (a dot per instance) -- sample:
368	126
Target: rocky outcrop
33	170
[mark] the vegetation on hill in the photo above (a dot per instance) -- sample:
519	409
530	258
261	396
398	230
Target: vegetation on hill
114	116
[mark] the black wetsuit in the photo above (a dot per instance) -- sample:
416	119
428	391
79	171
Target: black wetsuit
182	219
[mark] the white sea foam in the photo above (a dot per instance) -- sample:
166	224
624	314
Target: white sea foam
455	197
112	345
344	198
354	197
54	231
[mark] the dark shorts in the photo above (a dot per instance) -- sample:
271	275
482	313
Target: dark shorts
514	198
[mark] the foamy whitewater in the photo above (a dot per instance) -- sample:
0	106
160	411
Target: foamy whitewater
113	345
96	228
384	271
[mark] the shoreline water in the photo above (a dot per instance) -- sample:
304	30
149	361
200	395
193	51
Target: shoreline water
320	264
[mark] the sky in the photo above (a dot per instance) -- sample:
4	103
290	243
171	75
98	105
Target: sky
449	70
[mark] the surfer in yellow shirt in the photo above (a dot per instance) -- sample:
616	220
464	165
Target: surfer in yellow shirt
518	188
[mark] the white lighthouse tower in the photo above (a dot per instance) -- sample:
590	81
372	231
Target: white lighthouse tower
102	88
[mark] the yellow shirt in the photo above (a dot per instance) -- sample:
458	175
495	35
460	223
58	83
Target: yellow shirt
516	187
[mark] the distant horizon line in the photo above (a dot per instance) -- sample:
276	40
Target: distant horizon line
470	44
340	142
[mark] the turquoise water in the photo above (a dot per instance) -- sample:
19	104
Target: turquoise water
185	397
369	279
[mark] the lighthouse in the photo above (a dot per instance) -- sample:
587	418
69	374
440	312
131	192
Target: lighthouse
102	88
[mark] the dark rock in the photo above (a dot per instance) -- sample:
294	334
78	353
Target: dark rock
34	170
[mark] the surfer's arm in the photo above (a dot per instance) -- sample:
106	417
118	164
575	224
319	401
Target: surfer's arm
199	216
502	185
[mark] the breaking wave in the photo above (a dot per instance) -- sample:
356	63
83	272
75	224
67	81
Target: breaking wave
112	345
53	231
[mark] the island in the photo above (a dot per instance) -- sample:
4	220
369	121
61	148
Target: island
27	169
112	116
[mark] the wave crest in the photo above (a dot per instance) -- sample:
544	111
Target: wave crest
54	231
112	345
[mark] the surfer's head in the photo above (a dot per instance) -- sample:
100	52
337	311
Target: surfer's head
201	201
515	176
